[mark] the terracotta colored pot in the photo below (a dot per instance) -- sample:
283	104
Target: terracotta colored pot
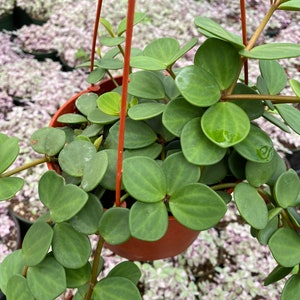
177	238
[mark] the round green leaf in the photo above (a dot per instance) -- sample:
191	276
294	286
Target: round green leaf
114	225
179	171
99	117
198	86
274	76
208	27
284	245
71	248
257	146
96	75
145	84
144	179
74	156
287	189
92	130
197	206
220	59
111	41
290	115
272	51
163	49
36	243
112	288
11	265
71	118
9	150
277	274
126	269
63	201
41	279
94	170
264	235
78	277
291	290
145	111
177	113
251	205
9	186
148	221
225	124
86	103
213	174
110	103
147	63
48	140
137	134
86	221
260	173
197	148
152	151
17	288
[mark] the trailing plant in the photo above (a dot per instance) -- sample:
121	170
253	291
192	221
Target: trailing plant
166	142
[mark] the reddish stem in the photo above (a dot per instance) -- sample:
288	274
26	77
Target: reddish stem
96	25
245	40
123	112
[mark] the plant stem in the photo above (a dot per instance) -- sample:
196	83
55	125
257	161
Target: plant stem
95	266
26	166
273	98
244	34
129	31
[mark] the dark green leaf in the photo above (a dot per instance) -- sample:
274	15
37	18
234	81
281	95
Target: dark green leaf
197	148
71	248
86	103
94	171
257	146
198	86
272	51
114	225
47	280
287	189
63	201
277	274
113	288
290	5
291	290
177	113
145	111
96	75
9	150
210	28
9	186
148	221
197	206
179	171
145	84
74	156
290	115
36	243
284	245
225	124
274	76
146	184
220	59
78	277
251	205
137	134
72	119
126	269
17	288
11	265
86	221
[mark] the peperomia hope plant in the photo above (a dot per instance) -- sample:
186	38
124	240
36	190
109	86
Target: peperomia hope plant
191	145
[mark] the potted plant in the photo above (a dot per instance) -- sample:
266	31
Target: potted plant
178	139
